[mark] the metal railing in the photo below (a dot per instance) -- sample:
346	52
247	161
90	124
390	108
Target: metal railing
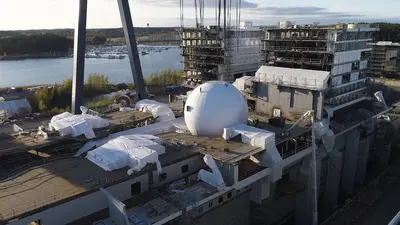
299	49
298	60
316	38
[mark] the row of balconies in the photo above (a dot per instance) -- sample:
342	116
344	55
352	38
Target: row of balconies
295	49
342	89
345	94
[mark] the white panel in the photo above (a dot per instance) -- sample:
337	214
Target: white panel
357	56
363	64
336	81
354	76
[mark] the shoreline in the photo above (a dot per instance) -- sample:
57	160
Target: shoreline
34	56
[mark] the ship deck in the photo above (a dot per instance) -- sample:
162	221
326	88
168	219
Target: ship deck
63	179
218	148
118	121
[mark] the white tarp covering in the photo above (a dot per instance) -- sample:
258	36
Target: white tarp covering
300	78
215	178
259	138
323	132
152	129
159	110
242	82
41	132
250	135
67	123
16	107
379	96
134	151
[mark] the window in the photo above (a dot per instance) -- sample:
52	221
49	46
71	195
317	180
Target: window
200	210
355	66
346	78
185	168
162	177
221	199
291	97
229	194
136	188
210	204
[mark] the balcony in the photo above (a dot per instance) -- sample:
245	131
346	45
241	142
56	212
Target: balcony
299	61
303	38
295	49
342	97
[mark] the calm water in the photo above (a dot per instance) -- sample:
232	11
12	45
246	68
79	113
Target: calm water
50	71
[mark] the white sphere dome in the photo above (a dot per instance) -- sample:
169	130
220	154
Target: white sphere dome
213	106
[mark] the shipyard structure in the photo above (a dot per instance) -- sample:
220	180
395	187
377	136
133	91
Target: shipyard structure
289	145
385	59
213	53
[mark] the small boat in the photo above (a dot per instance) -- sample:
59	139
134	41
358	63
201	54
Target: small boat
144	53
92	56
116	56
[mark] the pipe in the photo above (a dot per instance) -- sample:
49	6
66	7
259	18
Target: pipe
79	58
395	220
314	173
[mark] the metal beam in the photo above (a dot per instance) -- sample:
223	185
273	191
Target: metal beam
130	40
79	58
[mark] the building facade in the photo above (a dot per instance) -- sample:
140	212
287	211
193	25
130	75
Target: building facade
341	50
385	59
209	53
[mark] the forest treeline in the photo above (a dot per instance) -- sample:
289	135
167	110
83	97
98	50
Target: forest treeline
61	40
33	44
387	32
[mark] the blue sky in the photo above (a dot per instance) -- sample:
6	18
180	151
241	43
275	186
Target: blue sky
49	14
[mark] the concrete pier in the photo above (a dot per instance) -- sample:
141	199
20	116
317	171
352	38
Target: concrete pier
333	175
350	161
363	152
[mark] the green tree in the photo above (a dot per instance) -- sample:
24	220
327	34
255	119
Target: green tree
165	77
97	84
97	40
42	106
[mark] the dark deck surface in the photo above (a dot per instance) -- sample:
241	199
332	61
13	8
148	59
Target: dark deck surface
59	180
218	148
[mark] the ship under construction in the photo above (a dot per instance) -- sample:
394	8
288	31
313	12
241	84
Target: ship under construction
295	135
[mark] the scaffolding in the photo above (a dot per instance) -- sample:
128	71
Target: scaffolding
305	48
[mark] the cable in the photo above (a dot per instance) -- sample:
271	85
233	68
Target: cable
181	13
201	12
195	9
219	16
216	12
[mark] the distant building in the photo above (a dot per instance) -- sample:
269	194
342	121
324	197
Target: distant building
385	59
